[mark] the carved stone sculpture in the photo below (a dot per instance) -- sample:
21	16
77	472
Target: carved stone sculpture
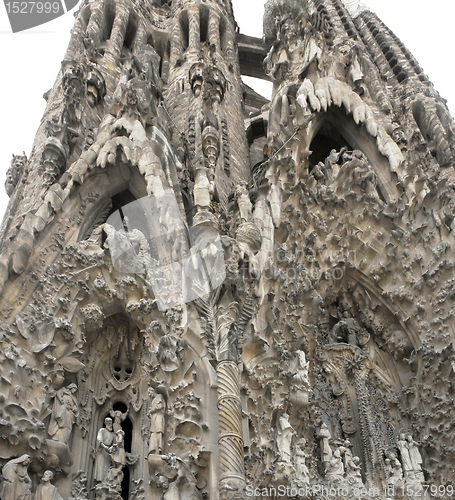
104	441
326	450
46	490
64	414
16	481
284	435
156	414
302	476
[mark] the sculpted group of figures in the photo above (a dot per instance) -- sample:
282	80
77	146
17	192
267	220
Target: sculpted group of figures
17	482
110	456
341	466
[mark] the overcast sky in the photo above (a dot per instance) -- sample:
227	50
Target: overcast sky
31	60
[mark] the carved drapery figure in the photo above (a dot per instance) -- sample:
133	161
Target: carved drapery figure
117	450
46	490
64	414
414	454
404	454
335	468
118	417
348	331
326	451
104	441
300	378
284	434
16	485
353	472
302	474
157	421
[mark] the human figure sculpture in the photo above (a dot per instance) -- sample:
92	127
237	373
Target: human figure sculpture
346	452
326	451
117	450
64	414
104	441
46	490
300	378
118	418
302	474
157	421
414	454
353	471
404	454
284	433
16	481
243	201
335	468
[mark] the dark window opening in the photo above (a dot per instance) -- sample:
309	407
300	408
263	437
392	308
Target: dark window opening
323	143
127	427
223	35
109	16
131	30
204	24
185	29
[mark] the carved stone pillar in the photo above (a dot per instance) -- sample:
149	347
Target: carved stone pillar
176	43
374	459
94	27
232	475
118	33
214	30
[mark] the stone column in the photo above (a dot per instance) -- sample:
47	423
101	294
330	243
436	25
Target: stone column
232	469
214	30
194	29
118	32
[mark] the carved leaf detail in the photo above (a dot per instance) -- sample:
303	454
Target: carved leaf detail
22	327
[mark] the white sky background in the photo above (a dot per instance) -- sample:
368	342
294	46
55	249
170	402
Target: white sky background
31	60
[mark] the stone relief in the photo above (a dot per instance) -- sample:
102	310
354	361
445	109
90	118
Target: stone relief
319	351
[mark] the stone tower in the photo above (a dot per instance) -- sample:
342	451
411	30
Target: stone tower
205	294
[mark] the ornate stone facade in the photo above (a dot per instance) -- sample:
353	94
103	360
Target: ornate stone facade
208	295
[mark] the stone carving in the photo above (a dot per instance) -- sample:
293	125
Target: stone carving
156	414
411	458
117	450
335	467
284	436
16	481
111	486
326	450
302	474
104	442
46	490
348	331
79	486
15	172
325	218
64	414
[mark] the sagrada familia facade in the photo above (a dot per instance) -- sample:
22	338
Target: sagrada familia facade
207	295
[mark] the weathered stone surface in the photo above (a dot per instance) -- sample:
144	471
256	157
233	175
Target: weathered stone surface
196	303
